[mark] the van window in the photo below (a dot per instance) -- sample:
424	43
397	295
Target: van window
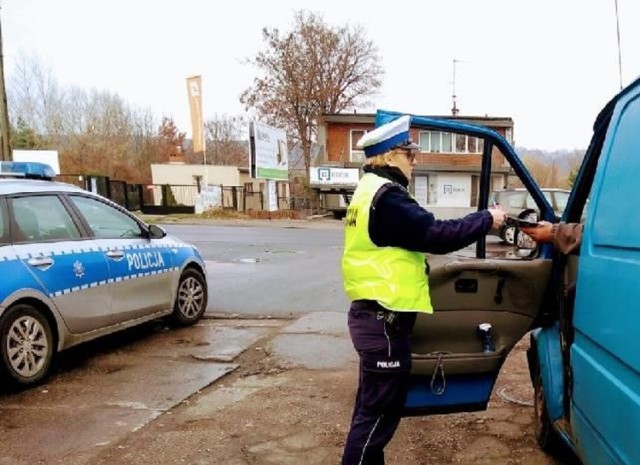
615	223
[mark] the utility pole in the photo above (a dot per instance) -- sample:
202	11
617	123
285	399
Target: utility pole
4	114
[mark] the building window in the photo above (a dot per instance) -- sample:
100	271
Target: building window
356	154
468	144
508	134
248	187
435	142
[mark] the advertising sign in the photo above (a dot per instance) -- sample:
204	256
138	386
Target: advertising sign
329	176
194	90
269	157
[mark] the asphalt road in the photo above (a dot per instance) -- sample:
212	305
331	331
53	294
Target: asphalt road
262	270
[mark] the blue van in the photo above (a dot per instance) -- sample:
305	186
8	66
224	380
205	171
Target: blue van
584	357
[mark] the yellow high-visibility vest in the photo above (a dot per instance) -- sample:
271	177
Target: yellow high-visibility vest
394	277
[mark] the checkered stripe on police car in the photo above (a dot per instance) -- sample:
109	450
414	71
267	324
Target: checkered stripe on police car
52	250
110	281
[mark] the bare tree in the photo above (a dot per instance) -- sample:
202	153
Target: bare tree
225	135
314	69
34	95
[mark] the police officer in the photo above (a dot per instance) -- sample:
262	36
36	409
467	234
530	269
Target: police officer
384	272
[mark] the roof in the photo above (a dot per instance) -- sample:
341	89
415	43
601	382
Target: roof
19	185
369	118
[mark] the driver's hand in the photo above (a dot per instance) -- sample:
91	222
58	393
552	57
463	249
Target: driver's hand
542	233
498	217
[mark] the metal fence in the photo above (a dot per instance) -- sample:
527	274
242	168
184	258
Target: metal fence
167	199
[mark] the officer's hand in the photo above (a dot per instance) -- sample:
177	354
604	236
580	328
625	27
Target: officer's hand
542	233
498	217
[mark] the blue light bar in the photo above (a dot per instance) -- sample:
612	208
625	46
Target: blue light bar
27	169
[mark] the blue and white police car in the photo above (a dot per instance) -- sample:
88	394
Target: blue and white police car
75	266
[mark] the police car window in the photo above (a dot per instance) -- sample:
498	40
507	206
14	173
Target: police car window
42	218
105	221
4	226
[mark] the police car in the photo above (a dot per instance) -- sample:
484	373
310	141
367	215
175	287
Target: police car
76	266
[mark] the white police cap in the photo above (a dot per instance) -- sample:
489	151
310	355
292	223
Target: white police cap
388	137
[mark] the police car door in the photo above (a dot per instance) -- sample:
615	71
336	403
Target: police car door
140	267
73	272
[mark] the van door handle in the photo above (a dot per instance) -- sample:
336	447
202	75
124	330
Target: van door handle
116	255
44	263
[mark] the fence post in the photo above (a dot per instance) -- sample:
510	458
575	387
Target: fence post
107	187
140	195
126	197
165	195
244	199
234	192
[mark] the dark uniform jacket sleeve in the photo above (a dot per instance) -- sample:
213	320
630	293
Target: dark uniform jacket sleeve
397	220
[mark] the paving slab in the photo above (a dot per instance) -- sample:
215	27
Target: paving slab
320	322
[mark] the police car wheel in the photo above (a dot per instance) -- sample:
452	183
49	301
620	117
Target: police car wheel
27	345
191	299
546	436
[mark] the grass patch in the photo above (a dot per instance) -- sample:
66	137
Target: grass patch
222	213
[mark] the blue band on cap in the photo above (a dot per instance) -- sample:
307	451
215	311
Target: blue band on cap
386	145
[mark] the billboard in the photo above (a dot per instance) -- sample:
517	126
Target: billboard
269	156
329	176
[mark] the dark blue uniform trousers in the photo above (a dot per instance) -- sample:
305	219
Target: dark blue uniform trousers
384	349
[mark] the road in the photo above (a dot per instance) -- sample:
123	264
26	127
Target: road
280	272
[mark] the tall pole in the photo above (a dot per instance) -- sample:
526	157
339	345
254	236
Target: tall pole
4	114
619	52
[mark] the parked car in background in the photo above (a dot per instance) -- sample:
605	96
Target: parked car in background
77	266
516	200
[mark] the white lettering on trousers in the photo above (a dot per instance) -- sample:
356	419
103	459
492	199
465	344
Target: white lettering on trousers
395	364
144	260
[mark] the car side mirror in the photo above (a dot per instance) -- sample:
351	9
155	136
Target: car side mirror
156	232
526	247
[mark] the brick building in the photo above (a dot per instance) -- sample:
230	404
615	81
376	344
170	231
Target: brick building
446	177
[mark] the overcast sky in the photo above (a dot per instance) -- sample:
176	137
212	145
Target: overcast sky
549	64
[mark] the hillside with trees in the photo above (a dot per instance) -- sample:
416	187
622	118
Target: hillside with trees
552	168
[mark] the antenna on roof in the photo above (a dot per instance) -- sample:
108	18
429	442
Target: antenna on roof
454	108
